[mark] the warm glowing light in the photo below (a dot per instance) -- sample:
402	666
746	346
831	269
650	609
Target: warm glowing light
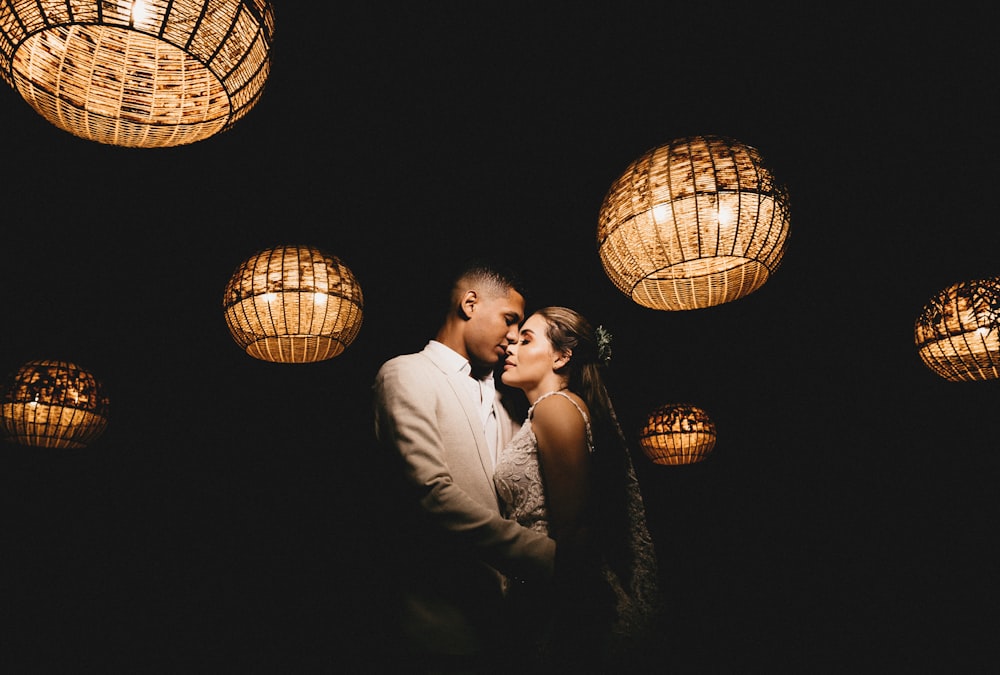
727	217
677	433
52	404
662	213
141	14
956	332
694	223
138	73
293	304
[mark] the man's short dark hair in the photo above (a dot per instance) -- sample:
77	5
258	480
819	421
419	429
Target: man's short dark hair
488	274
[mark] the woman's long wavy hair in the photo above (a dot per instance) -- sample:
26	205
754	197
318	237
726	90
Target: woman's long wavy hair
571	332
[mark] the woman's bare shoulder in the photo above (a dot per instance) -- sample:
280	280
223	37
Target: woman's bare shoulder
560	417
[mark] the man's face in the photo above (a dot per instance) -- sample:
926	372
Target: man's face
492	327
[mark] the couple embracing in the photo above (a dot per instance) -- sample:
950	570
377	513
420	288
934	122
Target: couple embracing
524	543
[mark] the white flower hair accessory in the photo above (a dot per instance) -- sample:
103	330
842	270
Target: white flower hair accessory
603	338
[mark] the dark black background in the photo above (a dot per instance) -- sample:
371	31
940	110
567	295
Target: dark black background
230	516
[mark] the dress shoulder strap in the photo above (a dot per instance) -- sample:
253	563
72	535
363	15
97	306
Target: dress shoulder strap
586	420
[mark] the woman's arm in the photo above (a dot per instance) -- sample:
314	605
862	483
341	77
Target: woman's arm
564	460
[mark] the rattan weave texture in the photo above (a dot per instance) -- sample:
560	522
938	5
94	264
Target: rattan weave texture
293	304
138	73
677	433
958	331
53	404
694	223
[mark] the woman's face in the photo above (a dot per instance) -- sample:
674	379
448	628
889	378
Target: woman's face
531	359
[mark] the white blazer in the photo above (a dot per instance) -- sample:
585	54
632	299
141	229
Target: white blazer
458	544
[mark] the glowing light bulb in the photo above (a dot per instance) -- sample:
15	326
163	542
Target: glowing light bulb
141	14
727	216
319	298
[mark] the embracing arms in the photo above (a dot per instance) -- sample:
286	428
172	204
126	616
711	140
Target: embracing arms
418	416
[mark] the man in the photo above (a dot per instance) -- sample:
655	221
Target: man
439	412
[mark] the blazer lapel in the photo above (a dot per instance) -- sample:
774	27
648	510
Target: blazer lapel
459	387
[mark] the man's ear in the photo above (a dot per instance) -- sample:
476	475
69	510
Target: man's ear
468	304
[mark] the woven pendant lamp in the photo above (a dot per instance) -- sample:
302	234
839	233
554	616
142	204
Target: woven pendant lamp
958	331
677	433
293	304
694	223
137	73
53	404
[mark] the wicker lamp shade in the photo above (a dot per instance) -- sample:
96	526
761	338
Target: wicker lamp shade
677	433
694	223
293	304
53	404
137	73
958	331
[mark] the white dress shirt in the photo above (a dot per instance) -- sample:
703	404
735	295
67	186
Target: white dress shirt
482	393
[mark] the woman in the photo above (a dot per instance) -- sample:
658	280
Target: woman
568	473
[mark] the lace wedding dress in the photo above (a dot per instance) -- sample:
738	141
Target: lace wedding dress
522	497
